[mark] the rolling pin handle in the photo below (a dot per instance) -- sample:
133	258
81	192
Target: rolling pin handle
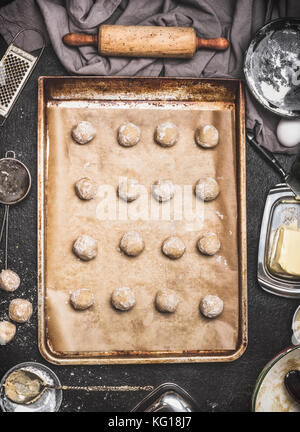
218	44
80	39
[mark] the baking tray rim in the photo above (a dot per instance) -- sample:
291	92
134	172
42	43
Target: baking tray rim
218	356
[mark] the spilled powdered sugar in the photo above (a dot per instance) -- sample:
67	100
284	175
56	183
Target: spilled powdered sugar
220	259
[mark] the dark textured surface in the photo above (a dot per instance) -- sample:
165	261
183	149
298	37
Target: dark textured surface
216	387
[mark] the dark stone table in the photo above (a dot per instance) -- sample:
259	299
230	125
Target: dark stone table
216	387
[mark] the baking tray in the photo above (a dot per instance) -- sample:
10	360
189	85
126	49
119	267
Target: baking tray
279	202
220	92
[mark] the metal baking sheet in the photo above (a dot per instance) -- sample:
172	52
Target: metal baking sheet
281	208
220	94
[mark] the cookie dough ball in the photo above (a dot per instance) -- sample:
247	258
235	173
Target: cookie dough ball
173	247
7	332
166	301
207	189
86	188
129	134
129	190
82	299
166	134
83	132
20	310
123	298
211	306
207	136
163	190
85	247
132	243
209	243
9	280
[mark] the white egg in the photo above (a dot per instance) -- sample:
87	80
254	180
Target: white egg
288	132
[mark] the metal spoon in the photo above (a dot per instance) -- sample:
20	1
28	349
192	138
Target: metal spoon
15	183
25	387
292	384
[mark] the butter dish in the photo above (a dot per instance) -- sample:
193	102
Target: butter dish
281	214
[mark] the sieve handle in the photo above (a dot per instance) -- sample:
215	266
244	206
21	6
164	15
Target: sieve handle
5	224
12	155
103	388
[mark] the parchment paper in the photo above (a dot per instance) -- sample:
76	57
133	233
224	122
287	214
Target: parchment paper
101	328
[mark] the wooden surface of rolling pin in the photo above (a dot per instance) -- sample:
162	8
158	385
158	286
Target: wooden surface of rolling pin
145	41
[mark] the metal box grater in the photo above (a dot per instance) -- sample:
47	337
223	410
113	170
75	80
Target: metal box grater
16	67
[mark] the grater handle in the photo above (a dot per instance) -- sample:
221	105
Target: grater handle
34	30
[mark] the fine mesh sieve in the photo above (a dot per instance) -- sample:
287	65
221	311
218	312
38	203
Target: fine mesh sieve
16	67
15	184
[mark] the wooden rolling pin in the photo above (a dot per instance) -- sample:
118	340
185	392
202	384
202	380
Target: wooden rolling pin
145	41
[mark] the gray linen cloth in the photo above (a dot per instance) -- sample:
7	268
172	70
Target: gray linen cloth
236	19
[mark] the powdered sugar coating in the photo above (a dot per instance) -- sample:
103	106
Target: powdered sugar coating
209	243
166	134
7	332
166	300
83	132
211	306
129	190
20	310
163	190
82	299
9	280
132	243
86	188
207	136
173	247
129	134
207	189
123	298
85	247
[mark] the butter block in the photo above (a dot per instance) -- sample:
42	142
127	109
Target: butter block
285	255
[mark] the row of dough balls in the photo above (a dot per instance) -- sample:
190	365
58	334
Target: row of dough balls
166	301
206	189
166	134
132	244
20	310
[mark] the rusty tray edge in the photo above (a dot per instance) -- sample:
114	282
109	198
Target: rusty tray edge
151	359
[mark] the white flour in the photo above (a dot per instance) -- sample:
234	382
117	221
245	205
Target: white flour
46	403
